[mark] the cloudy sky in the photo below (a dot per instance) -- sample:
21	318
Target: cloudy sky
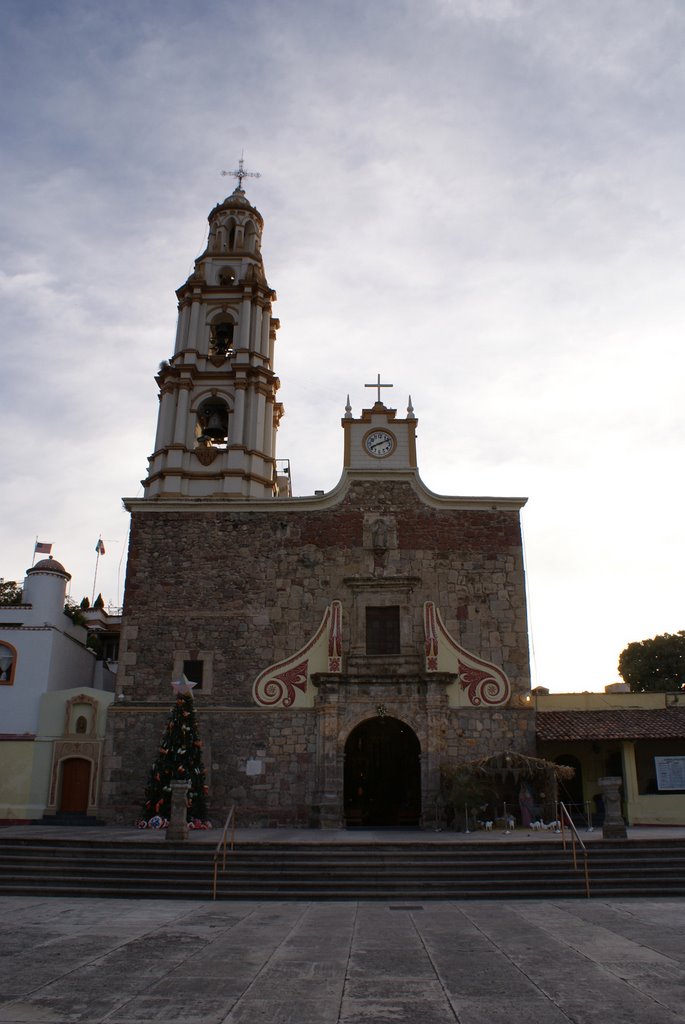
482	200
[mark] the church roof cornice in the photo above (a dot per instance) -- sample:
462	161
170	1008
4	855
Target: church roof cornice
321	502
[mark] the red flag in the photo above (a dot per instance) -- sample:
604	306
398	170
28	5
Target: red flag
42	549
100	547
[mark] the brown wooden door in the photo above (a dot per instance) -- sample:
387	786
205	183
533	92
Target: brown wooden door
75	785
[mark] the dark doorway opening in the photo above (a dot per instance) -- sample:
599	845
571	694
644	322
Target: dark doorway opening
382	774
571	790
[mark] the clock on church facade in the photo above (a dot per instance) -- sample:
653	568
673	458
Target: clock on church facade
345	646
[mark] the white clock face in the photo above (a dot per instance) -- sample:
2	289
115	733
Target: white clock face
379	443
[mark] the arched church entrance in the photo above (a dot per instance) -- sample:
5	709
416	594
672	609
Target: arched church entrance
382	774
75	785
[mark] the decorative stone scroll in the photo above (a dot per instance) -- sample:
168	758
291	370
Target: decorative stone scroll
479	682
287	683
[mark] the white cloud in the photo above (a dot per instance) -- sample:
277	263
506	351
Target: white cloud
482	201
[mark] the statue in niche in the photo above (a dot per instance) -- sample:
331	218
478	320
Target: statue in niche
379	541
379	535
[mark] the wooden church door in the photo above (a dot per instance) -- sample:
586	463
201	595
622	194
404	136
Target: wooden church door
75	785
382	774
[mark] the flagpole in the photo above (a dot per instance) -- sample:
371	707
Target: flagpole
34	551
97	562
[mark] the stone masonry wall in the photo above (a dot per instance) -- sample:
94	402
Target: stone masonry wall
260	761
245	589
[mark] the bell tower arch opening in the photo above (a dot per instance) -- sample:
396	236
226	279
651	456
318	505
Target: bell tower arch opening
212	422
382	774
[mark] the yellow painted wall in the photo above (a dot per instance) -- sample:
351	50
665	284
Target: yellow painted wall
606	701
24	771
25	765
639	809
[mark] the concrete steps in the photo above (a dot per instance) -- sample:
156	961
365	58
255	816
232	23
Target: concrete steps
328	871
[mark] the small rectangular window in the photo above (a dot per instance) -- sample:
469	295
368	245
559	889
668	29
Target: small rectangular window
383	630
192	670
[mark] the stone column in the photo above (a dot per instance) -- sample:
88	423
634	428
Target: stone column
255	438
433	746
182	328
257	314
237	425
245	318
614	825
328	796
193	330
178	823
265	328
181	428
165	420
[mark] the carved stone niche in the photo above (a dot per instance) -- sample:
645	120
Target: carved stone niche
81	717
380	537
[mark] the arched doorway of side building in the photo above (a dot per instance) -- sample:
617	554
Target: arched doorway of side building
383	774
571	790
75	785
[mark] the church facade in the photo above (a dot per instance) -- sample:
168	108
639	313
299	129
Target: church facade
347	646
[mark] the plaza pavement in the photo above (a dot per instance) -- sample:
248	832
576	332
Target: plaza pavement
529	962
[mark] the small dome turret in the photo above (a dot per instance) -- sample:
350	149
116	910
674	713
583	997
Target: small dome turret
49	565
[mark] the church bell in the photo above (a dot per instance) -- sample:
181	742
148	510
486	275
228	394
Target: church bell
214	422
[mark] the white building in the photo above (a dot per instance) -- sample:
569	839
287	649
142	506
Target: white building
54	696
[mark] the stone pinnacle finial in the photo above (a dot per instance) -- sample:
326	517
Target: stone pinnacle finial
348	409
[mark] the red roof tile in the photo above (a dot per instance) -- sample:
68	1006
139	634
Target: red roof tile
633	724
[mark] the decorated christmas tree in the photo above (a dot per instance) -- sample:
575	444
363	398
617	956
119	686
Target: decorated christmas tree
179	758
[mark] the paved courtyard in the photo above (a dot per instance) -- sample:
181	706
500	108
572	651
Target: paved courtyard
532	962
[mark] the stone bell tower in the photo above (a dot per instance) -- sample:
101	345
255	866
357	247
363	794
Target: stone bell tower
218	414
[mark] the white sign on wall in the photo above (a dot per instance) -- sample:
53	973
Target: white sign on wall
670	772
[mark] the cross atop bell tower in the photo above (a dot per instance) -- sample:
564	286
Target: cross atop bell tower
241	173
218	414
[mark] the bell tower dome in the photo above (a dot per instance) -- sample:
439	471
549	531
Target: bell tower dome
218	414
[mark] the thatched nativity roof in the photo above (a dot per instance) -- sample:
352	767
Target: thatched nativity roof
510	762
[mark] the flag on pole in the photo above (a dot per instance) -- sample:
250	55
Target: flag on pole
42	549
100	547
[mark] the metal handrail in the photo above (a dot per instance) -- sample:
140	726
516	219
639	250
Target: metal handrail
575	838
230	820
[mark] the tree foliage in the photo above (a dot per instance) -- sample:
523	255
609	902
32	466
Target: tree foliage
179	758
73	611
656	665
10	592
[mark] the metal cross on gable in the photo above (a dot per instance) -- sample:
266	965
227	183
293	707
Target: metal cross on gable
240	173
378	386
